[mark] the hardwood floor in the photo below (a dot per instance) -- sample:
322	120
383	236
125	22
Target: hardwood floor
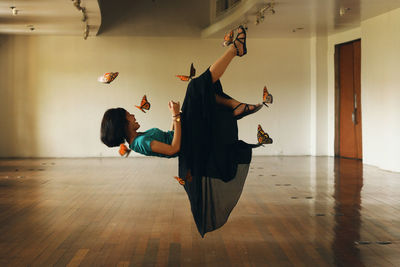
294	211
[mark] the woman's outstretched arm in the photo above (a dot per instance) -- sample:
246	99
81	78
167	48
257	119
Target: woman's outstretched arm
174	147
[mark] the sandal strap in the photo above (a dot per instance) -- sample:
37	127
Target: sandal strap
246	107
241	40
243	32
237	106
247	111
237	48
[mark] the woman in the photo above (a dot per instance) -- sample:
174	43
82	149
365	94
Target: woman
213	163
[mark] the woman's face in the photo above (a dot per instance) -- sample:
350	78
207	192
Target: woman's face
132	121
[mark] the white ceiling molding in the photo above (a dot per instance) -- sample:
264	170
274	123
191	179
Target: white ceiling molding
189	18
231	18
53	17
297	18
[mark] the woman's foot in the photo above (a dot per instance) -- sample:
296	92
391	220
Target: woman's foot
240	42
242	109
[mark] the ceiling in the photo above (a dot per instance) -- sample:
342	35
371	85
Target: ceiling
58	17
187	18
177	18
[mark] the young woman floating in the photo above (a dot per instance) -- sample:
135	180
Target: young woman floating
213	163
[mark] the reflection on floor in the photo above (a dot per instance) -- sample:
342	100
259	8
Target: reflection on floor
309	211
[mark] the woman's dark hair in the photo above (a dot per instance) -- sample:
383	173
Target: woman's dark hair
113	125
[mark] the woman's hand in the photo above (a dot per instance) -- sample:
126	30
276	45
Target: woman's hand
175	146
174	108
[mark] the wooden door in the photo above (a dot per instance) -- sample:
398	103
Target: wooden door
348	141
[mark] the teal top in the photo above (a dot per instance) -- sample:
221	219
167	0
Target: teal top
141	144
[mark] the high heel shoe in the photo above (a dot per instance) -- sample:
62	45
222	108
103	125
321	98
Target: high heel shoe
246	111
241	40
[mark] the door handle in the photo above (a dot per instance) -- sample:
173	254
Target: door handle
354	113
353	116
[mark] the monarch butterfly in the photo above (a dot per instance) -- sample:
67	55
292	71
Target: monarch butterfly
267	97
187	78
263	137
124	150
108	77
180	180
187	178
144	104
228	39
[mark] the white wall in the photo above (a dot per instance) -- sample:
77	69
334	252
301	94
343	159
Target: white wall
51	103
319	96
380	81
380	90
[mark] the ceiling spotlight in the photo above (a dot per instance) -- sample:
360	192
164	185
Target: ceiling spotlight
343	11
297	29
14	10
77	4
84	16
86	32
268	8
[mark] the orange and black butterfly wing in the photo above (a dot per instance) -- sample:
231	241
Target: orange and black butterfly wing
113	75
188	178
186	78
263	137
144	105
192	71
183	78
228	39
180	180
260	133
139	107
124	150
267	97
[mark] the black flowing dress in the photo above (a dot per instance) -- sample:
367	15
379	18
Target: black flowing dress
210	151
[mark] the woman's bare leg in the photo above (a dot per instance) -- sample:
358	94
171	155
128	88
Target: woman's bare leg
219	67
232	103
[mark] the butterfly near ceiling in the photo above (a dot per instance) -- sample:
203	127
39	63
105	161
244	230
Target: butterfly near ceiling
186	78
267	97
263	137
144	105
108	77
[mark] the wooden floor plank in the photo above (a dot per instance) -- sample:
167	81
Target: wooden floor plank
78	257
294	211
